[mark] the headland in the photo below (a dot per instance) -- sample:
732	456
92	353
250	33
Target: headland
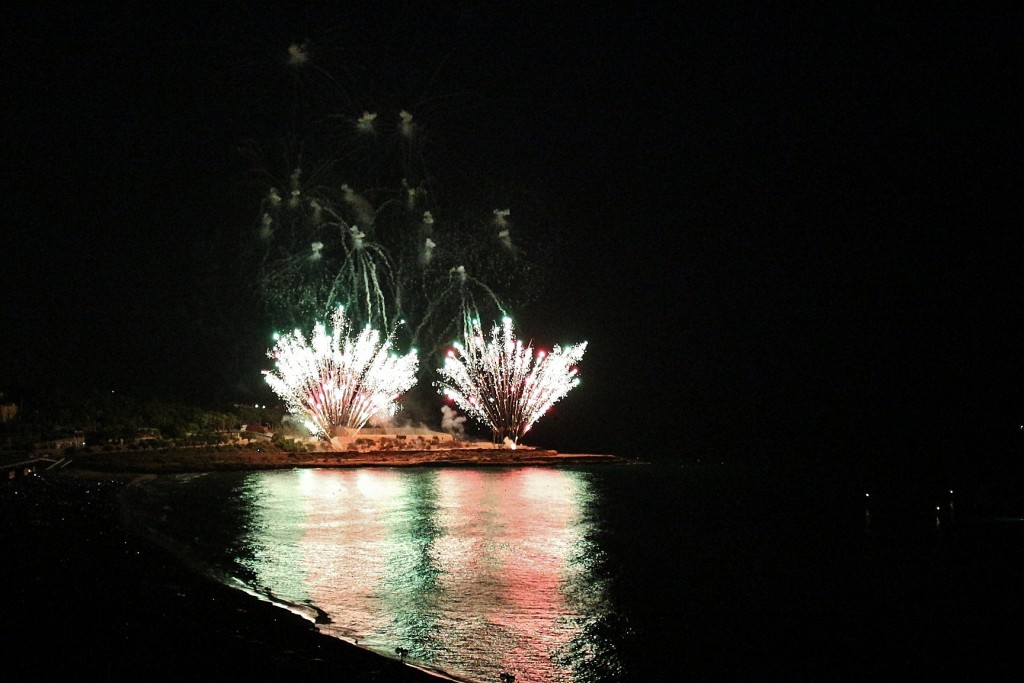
206	460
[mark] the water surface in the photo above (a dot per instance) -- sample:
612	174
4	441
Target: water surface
612	573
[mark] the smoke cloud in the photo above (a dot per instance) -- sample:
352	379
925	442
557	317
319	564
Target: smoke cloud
452	422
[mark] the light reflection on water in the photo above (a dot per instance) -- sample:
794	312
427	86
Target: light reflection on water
613	574
473	571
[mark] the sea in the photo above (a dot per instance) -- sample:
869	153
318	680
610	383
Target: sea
621	572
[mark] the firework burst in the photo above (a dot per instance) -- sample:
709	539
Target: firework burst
505	384
338	378
355	210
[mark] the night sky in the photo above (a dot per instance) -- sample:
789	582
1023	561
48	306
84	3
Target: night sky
778	231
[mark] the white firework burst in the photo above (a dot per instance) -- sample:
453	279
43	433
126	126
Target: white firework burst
505	384
338	378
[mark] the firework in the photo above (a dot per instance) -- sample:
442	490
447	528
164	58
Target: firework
354	211
505	384
321	253
338	378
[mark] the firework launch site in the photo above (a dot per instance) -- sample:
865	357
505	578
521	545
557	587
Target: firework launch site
201	460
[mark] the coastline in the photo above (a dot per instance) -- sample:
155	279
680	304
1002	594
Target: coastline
207	460
83	594
84	591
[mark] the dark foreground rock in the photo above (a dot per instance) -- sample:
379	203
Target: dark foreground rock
83	599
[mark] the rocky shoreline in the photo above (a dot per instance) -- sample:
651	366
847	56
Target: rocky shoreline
204	460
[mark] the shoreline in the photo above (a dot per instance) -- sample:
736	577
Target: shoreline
176	461
187	559
83	593
116	599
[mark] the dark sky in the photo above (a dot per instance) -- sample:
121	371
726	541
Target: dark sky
776	229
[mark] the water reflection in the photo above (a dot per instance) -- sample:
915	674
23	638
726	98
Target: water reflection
473	571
